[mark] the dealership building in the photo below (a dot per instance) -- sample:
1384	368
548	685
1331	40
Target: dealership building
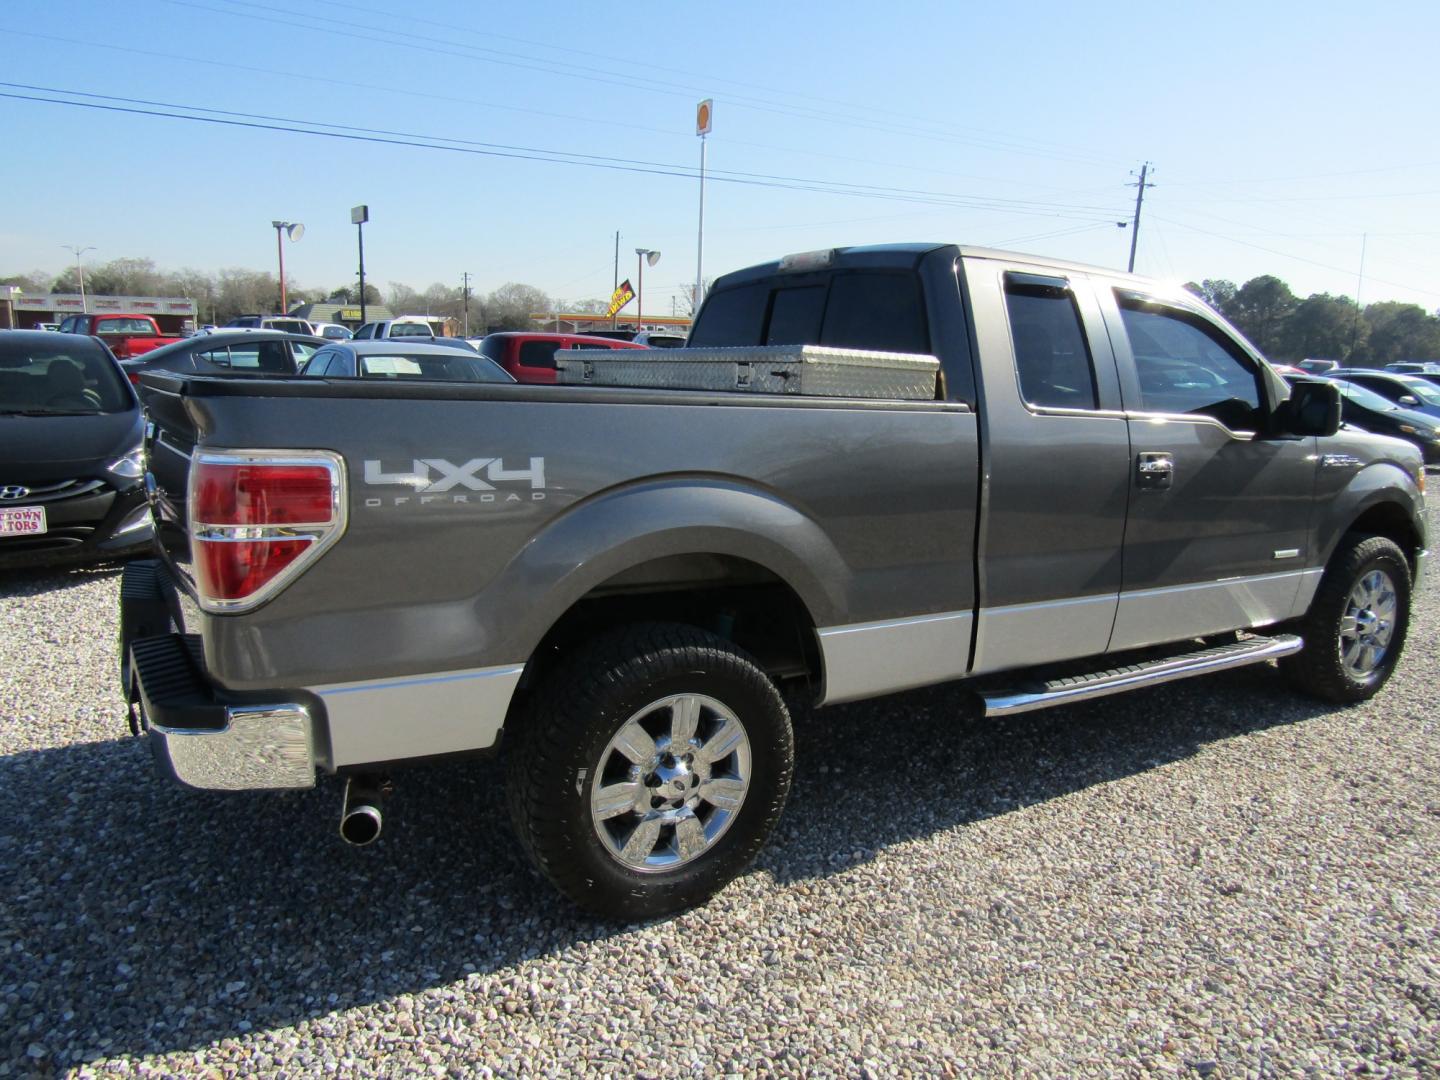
25	311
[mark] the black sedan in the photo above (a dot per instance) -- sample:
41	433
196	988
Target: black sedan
1368	411
1407	391
71	462
391	359
249	352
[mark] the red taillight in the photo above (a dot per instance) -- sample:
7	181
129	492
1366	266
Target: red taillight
134	377
259	494
236	569
256	519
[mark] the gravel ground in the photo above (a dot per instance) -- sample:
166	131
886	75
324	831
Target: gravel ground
1211	878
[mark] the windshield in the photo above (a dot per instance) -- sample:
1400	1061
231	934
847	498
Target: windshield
406	329
73	375
456	368
1366	399
1426	392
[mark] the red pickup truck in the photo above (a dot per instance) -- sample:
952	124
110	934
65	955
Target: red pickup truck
127	335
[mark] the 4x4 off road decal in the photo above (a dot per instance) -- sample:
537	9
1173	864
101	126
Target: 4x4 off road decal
479	480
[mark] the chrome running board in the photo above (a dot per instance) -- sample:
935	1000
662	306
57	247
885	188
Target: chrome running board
1134	676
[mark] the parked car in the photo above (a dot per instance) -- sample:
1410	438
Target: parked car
1368	411
401	360
288	324
659	339
48	326
1407	391
410	330
1414	367
530	355
1317	367
332	331
235	351
71	462
618	589
124	335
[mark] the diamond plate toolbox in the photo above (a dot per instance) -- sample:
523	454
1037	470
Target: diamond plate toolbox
815	370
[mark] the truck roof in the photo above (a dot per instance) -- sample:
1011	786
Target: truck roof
905	256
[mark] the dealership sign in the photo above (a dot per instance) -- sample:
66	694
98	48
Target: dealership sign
158	305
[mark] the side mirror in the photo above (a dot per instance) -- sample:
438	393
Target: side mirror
1313	408
1408	400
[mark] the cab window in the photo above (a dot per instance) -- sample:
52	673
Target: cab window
1052	357
1186	366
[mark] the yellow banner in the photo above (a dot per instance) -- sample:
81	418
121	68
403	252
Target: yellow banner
620	297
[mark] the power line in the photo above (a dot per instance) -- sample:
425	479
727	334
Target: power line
1297	258
73	42
394	38
379	135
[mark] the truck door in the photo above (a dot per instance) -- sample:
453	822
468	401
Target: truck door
1056	467
1219	523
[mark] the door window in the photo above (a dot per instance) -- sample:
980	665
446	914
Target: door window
1186	366
303	353
1052	357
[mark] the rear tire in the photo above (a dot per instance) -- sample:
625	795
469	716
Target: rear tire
650	770
1355	629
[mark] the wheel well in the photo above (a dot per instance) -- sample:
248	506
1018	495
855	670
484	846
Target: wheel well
733	598
1392	522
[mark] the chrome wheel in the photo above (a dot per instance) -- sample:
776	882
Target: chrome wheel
671	782
1368	623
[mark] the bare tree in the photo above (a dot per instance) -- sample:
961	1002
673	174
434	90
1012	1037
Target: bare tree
510	306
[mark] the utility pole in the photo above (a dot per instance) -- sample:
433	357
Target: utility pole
615	283
465	296
1139	187
1359	284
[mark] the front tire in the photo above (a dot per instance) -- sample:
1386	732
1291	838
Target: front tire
651	770
1355	629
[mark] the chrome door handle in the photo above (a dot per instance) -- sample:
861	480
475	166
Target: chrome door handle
1154	470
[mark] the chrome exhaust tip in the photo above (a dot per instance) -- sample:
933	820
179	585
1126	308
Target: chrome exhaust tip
360	818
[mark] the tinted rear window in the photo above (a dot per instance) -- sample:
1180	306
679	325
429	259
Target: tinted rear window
856	310
732	317
539	354
795	316
876	311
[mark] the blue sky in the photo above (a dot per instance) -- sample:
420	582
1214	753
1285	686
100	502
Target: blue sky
1282	133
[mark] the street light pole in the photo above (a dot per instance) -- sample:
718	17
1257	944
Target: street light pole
295	231
358	216
80	269
642	257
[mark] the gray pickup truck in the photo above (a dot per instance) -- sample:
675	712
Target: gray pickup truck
1105	487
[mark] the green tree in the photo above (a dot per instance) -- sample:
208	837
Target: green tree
1260	309
1217	292
1400	332
1322	327
37	281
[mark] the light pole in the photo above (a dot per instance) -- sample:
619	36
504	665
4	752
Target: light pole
295	231
704	120
80	269
643	257
358	216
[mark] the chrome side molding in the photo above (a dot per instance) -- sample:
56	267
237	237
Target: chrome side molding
1135	676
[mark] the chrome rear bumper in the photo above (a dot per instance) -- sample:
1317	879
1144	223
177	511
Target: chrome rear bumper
260	747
